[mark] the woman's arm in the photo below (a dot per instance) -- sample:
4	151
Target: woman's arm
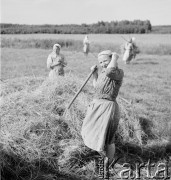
95	74
95	77
49	62
64	61
113	62
112	70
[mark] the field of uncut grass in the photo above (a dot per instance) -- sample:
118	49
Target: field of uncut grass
148	43
39	144
150	39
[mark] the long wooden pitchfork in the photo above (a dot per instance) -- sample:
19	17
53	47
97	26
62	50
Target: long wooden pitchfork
73	99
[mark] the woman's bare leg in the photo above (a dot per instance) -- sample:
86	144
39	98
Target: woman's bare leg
110	152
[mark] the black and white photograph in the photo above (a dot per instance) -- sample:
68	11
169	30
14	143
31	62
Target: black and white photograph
85	90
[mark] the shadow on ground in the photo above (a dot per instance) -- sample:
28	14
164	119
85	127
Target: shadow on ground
15	168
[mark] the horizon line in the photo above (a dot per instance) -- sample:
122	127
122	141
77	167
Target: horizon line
75	23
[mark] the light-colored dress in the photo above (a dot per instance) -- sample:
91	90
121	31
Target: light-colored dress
128	54
86	46
102	118
57	70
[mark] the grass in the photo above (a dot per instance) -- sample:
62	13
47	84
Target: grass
148	43
38	143
97	38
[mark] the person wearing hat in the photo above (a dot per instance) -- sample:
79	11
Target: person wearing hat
56	62
102	118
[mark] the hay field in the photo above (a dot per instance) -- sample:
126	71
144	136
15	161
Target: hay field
148	43
99	38
37	143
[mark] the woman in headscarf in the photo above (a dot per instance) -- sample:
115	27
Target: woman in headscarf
102	118
86	45
56	62
130	51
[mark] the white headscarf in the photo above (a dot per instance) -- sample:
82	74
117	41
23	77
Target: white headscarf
107	54
133	39
55	46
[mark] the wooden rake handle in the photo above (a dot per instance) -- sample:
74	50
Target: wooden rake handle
89	76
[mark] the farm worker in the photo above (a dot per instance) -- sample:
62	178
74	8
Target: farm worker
135	48
102	118
130	50
86	45
56	62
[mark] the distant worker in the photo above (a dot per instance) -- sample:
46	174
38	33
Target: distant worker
86	44
56	62
130	51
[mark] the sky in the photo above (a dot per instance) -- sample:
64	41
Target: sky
84	11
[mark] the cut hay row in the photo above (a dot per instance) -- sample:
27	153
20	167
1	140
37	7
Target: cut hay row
36	134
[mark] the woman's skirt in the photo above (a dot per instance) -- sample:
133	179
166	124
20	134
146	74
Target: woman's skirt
100	124
127	57
86	48
57	71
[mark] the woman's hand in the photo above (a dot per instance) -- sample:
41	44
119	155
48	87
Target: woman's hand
94	68
58	62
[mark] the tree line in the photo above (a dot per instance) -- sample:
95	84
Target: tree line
101	27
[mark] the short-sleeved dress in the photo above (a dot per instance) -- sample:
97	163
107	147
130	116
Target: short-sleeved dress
58	70
102	118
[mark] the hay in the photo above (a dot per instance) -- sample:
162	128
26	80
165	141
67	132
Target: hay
35	125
